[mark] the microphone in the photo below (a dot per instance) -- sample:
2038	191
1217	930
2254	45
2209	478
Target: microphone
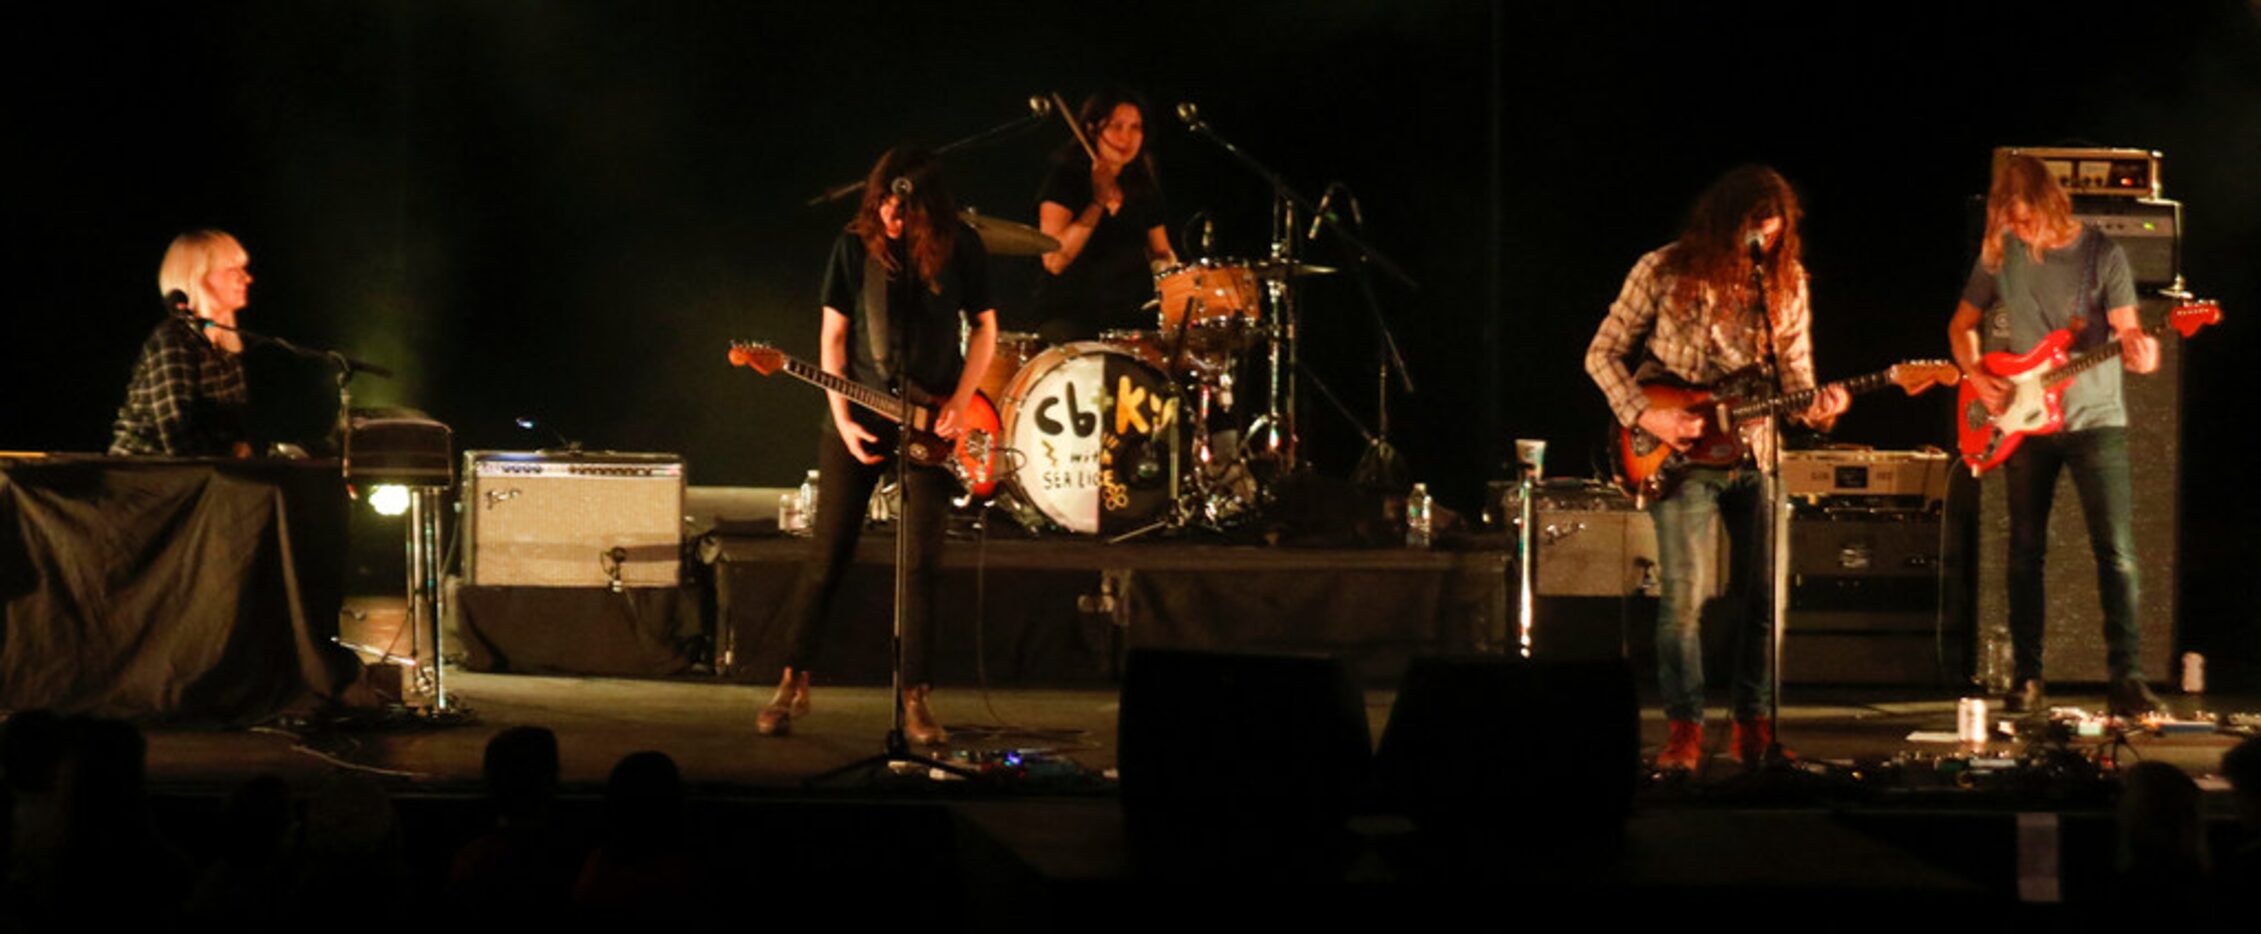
901	185
1756	246
1191	116
1208	235
1039	106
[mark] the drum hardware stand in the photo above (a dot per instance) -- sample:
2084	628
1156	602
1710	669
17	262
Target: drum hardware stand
1277	433
1179	514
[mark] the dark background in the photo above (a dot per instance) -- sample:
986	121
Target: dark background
566	211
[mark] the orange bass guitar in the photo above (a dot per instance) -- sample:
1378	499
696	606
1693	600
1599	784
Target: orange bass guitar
973	456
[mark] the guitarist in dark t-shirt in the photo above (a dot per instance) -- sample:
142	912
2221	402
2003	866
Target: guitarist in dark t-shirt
895	289
2043	271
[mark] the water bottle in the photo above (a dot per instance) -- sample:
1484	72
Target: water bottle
1420	526
808	502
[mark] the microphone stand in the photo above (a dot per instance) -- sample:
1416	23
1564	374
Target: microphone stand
1040	110
1777	525
423	529
345	366
1386	464
1277	425
896	748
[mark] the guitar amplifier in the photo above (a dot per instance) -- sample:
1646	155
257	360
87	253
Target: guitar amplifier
1592	542
1867	479
598	519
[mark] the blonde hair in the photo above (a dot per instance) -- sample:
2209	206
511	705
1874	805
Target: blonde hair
190	258
2022	179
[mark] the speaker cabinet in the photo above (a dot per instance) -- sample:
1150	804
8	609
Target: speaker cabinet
572	520
1865	601
2074	645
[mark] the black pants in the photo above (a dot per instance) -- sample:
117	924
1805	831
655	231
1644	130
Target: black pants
2098	462
843	498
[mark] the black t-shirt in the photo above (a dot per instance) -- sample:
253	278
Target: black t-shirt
929	329
1109	284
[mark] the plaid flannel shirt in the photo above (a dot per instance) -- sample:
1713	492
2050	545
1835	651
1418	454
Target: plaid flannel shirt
186	398
1687	342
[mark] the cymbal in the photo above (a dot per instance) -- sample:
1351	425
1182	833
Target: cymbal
1007	238
1275	269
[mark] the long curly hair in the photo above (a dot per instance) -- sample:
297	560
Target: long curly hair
1710	254
929	213
2022	179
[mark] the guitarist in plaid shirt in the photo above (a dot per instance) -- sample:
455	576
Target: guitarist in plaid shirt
1688	311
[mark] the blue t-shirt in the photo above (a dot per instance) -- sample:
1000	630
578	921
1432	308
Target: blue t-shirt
2028	300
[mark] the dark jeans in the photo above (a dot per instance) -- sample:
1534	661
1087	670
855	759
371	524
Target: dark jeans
843	498
2098	460
1686	561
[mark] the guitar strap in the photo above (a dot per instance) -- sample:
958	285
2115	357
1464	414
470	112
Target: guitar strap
2083	303
877	329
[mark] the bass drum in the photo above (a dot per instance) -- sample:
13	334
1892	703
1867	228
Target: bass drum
1090	438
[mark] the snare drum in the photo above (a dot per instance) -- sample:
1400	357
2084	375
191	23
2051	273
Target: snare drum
1090	435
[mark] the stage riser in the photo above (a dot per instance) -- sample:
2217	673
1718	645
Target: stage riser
1044	625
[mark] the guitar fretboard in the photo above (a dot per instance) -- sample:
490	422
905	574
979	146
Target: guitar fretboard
858	393
2088	359
1803	398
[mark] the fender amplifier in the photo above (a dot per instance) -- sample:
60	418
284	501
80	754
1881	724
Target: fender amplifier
558	519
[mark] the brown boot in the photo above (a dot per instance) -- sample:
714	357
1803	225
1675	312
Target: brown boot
1752	738
919	725
1684	747
791	700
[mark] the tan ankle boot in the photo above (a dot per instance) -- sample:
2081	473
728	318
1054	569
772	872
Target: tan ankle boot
919	725
791	700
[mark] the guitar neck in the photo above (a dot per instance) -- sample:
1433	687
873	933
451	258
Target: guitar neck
2088	359
886	405
1798	400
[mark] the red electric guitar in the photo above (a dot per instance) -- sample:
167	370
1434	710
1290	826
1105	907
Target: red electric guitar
973	457
1652	468
2037	388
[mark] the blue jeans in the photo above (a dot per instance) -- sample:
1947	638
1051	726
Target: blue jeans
2098	461
1685	564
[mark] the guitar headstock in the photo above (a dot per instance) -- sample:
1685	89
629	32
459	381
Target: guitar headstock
2188	317
763	358
1915	376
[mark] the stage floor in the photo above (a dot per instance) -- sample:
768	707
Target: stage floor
708	727
1708	836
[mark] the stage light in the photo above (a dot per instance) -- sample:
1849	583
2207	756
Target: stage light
389	499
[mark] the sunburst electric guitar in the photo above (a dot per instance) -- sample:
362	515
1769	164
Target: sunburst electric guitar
973	456
1652	469
2037	378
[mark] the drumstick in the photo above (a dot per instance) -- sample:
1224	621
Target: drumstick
1062	107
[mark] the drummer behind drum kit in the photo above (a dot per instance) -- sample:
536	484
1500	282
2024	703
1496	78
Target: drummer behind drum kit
1133	432
1093	437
